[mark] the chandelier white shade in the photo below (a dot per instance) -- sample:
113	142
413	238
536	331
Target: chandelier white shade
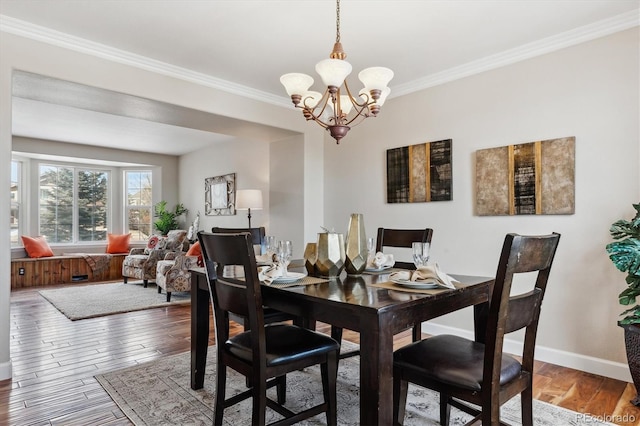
337	108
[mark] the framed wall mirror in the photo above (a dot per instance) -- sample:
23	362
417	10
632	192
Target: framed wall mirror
220	195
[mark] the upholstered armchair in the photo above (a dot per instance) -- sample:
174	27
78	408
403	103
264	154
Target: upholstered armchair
141	263
172	273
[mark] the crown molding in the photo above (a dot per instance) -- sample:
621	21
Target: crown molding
60	39
579	35
550	44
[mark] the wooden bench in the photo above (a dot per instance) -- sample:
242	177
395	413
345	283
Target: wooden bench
30	272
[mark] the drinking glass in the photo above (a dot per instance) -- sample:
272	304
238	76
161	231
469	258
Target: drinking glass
285	251
371	248
270	246
420	253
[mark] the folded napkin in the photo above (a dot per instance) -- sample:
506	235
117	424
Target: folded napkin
267	274
264	258
425	274
380	260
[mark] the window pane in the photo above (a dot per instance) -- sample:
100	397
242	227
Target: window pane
92	205
56	203
138	204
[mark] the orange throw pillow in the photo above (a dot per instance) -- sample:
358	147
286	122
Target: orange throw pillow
195	250
118	243
37	246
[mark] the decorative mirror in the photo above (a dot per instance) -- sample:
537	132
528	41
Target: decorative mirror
220	195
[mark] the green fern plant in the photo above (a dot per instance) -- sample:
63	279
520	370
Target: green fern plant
624	252
167	220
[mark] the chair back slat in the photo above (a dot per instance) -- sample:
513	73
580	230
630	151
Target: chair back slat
257	234
401	237
522	310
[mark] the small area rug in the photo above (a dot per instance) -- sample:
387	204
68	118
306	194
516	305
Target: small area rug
158	393
96	300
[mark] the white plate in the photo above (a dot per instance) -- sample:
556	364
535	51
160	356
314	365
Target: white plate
415	284
291	277
378	269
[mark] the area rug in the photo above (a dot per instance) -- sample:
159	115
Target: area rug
158	393
97	300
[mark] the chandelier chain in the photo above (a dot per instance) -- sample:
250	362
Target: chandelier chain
337	21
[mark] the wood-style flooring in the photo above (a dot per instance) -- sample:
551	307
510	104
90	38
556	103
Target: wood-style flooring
55	360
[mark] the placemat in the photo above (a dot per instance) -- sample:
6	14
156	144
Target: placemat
384	271
392	286
303	281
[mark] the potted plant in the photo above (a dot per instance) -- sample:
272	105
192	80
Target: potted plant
624	252
167	219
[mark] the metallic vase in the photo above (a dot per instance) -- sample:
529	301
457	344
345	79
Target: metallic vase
310	256
356	249
330	254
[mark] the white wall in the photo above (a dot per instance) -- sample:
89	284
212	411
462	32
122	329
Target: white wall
590	91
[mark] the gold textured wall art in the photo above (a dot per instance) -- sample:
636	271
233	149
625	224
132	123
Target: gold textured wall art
530	178
419	173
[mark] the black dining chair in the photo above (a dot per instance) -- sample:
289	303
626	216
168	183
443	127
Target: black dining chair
393	238
270	315
402	238
478	372
267	352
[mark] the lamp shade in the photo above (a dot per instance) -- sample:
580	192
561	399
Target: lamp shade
333	71
248	199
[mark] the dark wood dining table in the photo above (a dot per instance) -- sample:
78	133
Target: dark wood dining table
350	302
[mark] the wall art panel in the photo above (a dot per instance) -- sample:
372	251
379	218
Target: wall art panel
530	178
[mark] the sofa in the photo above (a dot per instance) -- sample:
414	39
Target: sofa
141	263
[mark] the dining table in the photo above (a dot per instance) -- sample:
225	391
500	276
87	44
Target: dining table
369	304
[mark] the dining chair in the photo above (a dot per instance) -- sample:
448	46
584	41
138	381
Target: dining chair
270	315
402	238
267	352
478	372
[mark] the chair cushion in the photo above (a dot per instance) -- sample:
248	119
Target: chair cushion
452	360
285	343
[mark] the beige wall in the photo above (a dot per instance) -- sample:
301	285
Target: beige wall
589	91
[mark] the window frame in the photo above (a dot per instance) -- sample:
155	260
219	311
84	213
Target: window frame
125	200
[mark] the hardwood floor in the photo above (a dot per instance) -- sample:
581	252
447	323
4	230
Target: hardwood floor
55	360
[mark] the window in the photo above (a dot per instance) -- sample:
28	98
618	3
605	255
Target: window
73	204
138	205
16	201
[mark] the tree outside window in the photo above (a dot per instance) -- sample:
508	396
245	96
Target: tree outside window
139	204
73	204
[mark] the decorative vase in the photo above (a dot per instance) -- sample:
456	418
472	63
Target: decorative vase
330	254
310	256
356	247
632	343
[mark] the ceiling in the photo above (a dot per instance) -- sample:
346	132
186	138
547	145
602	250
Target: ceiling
243	46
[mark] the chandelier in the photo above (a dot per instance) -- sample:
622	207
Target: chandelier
337	108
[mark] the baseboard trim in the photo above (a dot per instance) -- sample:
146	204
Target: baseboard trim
5	370
601	367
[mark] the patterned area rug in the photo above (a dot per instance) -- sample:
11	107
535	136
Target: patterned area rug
158	393
96	300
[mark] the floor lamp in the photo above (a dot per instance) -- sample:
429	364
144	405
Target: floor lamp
247	199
